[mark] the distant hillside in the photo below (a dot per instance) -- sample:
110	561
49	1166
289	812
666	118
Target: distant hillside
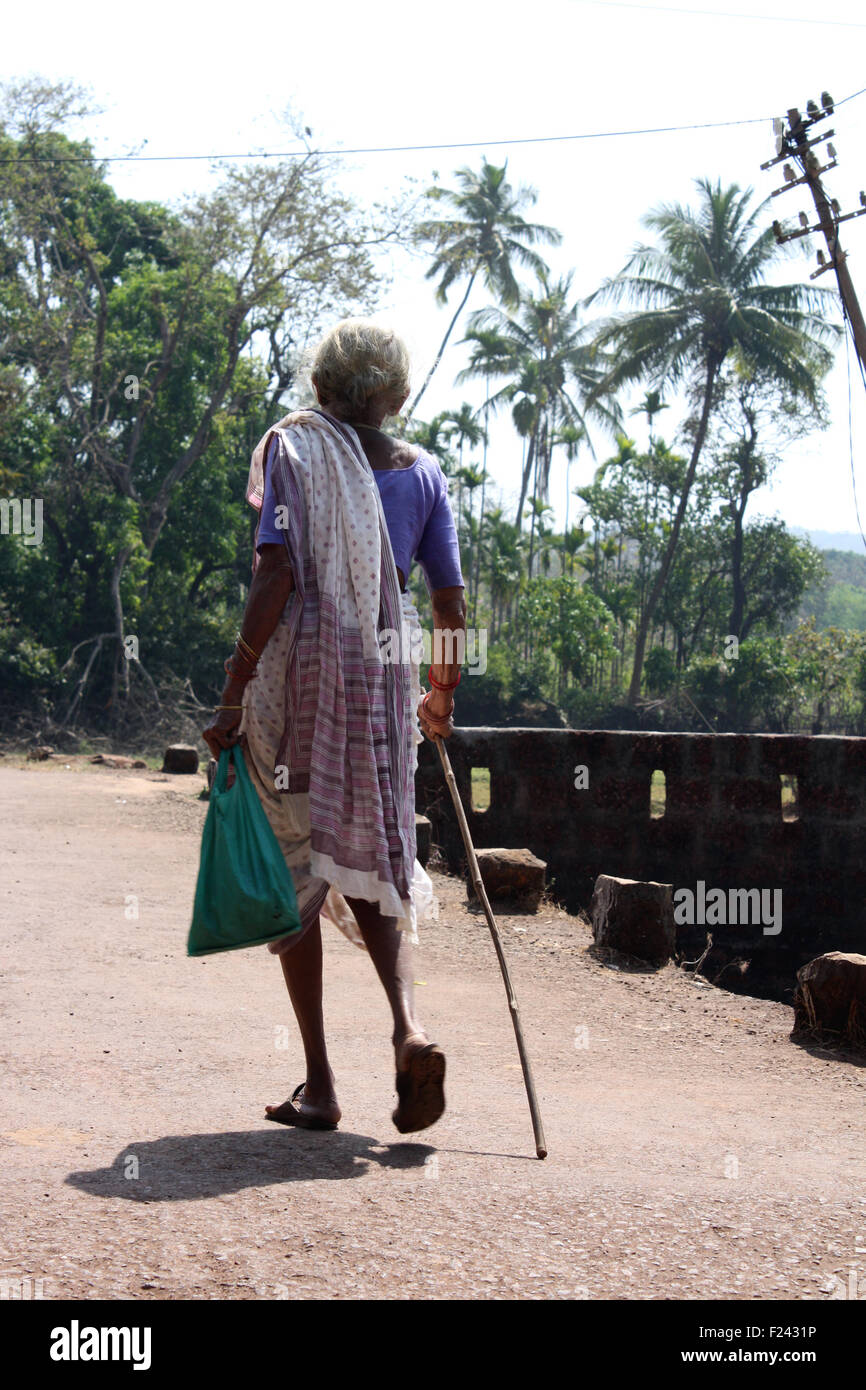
841	600
834	540
846	567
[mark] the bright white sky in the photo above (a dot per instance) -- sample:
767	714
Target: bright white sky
199	79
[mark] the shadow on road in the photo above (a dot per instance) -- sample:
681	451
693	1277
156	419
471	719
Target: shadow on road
184	1167
828	1047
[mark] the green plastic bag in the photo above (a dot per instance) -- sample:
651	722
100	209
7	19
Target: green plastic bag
244	895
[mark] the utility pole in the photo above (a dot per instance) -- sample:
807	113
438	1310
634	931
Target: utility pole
796	141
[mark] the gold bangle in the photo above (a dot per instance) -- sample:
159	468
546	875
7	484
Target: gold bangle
245	647
228	667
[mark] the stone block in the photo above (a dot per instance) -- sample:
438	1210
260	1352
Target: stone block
515	875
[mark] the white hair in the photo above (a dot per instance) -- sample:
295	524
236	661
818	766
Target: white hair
356	360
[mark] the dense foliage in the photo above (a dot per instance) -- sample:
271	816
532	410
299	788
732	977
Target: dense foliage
144	349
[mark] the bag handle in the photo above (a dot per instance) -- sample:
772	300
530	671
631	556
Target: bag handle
222	772
227	756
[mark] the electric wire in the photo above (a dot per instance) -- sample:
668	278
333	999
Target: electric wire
308	152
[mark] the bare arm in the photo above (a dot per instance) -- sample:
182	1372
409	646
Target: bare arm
269	592
449	619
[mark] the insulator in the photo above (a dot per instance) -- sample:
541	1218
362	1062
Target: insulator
812	110
804	221
790	176
822	259
831	150
827	103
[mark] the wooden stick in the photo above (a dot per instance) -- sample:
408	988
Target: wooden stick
540	1145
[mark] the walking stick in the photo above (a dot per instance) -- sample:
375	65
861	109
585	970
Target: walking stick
540	1145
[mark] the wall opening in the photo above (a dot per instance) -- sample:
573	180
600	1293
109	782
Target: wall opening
480	784
658	795
790	796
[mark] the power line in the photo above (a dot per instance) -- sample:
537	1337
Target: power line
378	149
398	149
723	14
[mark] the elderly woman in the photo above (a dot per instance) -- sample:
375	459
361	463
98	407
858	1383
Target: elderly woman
328	726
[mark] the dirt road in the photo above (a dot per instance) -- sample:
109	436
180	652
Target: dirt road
694	1151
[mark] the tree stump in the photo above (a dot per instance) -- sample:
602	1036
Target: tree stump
831	998
180	757
423	839
634	917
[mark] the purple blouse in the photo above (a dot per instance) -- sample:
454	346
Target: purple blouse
417	513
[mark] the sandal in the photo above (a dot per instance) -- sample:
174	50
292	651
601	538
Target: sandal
420	1090
295	1116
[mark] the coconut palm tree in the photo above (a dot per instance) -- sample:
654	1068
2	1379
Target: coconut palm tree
651	406
464	476
505	568
570	437
703	301
485	235
472	478
434	437
538	531
553	369
573	541
464	427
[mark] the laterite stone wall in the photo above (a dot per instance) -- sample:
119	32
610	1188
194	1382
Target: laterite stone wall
722	824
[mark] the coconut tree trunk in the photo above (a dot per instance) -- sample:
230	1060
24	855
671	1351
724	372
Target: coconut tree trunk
461	306
539	451
712	371
527	474
481	511
738	606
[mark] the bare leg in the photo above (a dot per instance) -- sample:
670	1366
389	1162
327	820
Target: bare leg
391	954
302	968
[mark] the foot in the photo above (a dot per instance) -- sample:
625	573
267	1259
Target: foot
308	1109
420	1085
406	1047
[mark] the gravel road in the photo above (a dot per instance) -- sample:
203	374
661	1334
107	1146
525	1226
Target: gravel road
695	1152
